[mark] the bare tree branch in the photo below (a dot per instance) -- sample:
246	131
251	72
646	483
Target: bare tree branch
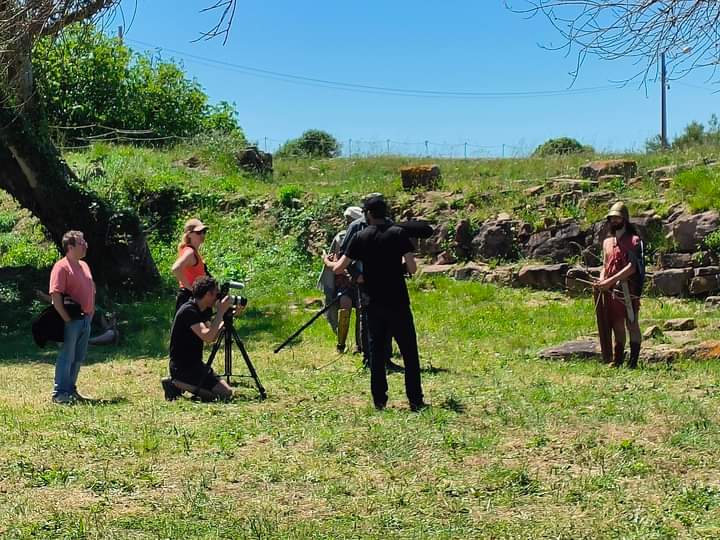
686	31
224	24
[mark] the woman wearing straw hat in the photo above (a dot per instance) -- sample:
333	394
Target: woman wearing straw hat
189	264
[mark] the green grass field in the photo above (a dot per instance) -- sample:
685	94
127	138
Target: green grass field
511	447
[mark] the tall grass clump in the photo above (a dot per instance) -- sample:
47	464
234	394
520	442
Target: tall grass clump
700	188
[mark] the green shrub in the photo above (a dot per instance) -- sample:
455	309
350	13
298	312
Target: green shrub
700	188
287	193
712	242
561	146
314	143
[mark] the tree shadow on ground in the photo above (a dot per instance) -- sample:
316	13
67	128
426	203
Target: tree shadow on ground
144	327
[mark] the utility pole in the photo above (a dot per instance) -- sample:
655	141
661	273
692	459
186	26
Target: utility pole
663	104
120	34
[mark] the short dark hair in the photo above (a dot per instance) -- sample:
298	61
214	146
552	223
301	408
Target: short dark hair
376	205
202	286
70	239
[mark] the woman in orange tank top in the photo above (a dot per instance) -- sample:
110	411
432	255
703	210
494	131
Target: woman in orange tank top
189	265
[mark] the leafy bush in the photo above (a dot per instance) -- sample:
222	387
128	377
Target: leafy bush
86	78
561	146
693	135
314	143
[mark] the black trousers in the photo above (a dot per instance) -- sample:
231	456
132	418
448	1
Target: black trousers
385	323
362	302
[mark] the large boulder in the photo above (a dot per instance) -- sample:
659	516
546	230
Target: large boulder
472	271
595	169
584	348
494	240
647	226
703	285
420	176
254	160
557	243
664	172
549	276
672	282
436	270
688	231
436	244
706	280
685	260
463	239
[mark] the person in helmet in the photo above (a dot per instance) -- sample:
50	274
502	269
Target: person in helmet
620	283
334	285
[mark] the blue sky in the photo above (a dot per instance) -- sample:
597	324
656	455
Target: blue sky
453	46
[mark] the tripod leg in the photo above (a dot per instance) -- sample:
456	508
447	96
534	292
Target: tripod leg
249	364
228	353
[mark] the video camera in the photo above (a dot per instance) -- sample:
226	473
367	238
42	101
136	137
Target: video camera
225	291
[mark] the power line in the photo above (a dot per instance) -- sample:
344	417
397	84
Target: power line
373	89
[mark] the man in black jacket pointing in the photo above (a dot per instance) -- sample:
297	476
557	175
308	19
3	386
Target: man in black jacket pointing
386	253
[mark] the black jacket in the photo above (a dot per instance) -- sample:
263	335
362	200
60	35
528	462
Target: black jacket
49	325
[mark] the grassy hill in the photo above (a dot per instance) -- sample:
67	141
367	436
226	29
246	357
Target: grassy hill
512	446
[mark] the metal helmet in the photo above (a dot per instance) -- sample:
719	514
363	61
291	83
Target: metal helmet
619	209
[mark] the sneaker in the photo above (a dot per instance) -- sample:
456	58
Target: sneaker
63	399
171	391
380	406
418	406
340	349
391	367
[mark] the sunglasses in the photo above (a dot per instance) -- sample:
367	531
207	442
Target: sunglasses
200	232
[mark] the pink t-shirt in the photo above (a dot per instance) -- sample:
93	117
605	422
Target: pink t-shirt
74	279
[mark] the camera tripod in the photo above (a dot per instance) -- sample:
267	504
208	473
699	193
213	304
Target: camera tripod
226	337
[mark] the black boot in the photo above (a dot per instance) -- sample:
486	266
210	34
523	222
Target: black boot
171	391
634	355
618	356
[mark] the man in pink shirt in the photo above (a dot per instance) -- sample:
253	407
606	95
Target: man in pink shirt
71	282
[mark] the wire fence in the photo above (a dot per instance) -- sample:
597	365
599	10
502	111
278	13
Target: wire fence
80	137
427	148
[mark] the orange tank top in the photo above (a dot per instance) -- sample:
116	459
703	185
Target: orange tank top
191	273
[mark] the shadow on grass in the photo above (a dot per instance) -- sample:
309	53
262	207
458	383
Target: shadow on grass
144	332
99	402
434	370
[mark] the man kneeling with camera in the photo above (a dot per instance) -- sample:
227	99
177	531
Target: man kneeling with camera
191	329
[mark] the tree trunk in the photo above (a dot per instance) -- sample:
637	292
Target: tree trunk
32	171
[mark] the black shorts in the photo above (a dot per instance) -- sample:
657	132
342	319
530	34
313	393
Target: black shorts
203	381
183	296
